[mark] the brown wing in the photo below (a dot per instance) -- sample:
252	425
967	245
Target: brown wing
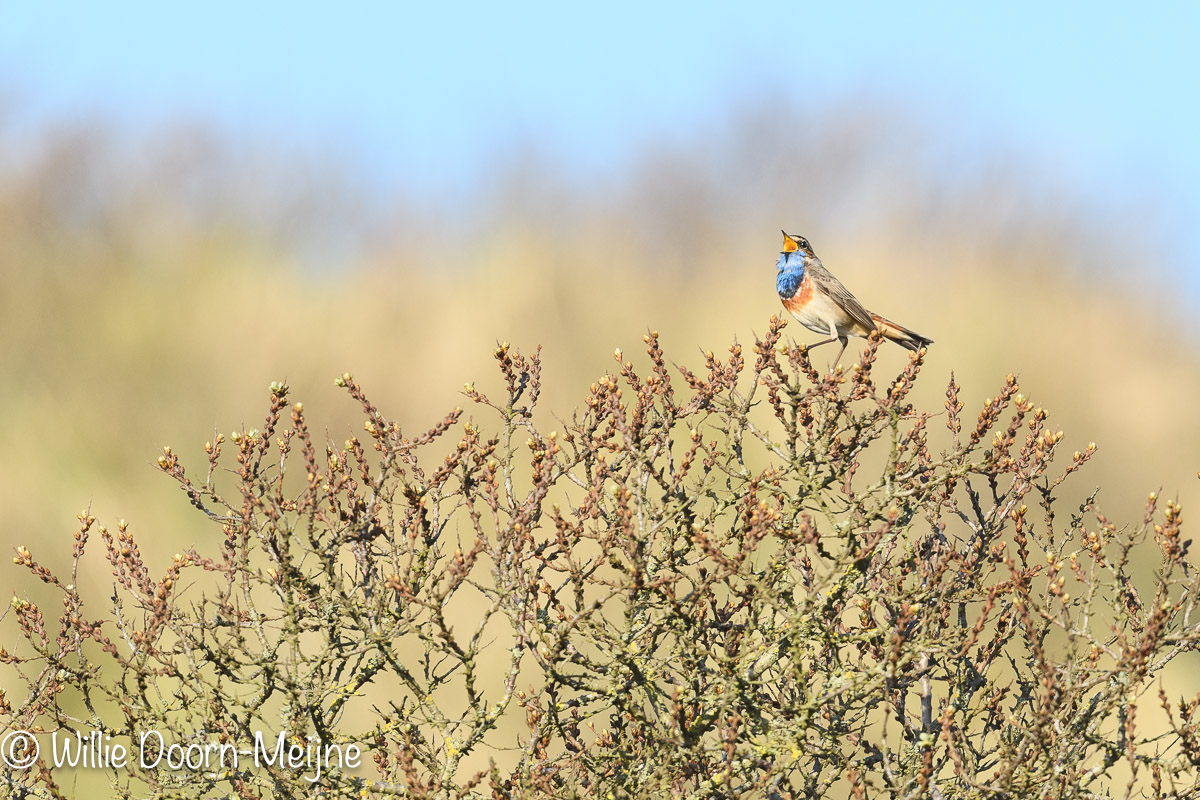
840	295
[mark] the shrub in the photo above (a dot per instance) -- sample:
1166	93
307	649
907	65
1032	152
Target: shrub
770	583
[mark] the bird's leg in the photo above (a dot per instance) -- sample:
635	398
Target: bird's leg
845	341
818	344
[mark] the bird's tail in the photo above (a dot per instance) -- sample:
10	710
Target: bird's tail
900	334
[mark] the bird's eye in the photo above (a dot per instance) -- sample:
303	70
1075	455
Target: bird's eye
804	243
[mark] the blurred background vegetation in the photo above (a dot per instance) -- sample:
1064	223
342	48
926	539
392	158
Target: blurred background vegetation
156	281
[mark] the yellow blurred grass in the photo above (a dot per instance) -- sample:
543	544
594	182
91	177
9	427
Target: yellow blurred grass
131	359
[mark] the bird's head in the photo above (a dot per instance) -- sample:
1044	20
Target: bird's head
793	244
796	251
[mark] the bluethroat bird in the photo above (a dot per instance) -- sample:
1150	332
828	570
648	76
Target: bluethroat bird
820	302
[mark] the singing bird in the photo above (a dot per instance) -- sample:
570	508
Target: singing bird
820	302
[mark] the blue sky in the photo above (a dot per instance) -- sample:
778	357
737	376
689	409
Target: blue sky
430	92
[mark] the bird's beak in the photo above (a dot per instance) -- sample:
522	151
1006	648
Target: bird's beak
789	244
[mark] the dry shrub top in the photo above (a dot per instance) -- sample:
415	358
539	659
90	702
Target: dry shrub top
751	580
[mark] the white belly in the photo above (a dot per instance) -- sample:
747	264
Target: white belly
822	315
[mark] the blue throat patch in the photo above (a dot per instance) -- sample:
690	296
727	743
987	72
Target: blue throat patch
791	273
